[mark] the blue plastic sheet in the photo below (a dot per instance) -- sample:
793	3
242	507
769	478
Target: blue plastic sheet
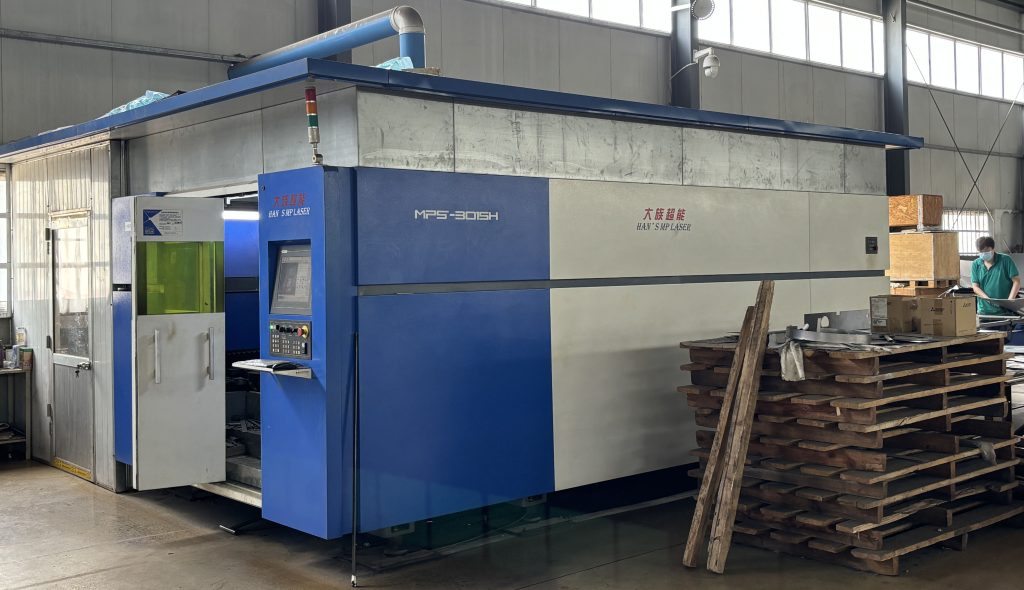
398	63
149	97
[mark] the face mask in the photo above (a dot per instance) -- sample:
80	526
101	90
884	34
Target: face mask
987	256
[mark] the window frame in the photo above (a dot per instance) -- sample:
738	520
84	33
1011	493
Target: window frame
6	308
971	225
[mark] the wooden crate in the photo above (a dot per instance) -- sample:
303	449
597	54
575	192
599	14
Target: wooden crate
915	211
924	256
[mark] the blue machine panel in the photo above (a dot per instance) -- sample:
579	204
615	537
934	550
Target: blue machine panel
242	321
241	248
441	227
306	423
455	402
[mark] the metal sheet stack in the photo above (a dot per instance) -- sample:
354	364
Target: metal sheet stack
877	454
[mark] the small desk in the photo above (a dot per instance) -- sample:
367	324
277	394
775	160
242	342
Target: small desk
11	418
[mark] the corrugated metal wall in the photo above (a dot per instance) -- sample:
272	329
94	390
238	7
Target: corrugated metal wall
80	179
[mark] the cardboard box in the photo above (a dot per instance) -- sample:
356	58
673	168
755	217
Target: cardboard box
915	211
895	314
949	316
924	256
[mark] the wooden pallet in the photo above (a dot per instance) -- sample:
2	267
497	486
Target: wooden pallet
883	559
934	283
854	465
917	291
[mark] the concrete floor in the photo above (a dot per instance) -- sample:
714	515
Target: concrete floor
57	531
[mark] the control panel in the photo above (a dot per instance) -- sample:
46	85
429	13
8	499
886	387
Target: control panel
291	339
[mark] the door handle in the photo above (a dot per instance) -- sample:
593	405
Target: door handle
84	366
156	356
210	369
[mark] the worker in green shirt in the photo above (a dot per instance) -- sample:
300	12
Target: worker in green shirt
993	276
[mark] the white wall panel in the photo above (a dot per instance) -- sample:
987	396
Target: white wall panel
530	44
270	24
46	86
965	121
471	43
963	179
81	18
584	55
921	173
845	294
181	24
863	102
943	165
921	106
135	74
615	372
598	231
760	86
839	225
30	288
939	135
636	70
724	93
829	97
1011	140
797	102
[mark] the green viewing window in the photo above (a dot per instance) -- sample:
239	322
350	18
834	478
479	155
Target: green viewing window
180	277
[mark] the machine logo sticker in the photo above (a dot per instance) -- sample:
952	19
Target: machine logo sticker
663	219
291	205
447	215
162	222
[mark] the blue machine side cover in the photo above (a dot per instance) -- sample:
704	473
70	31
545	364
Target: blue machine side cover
455	402
440	227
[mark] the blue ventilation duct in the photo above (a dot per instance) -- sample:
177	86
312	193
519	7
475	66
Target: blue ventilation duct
403	21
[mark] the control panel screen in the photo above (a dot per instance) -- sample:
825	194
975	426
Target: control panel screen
293	283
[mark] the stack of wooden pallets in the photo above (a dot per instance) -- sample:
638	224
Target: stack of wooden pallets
877	454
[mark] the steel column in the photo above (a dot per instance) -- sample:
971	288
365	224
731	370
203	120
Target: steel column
686	85
896	111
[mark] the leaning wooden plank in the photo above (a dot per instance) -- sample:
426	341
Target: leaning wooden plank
708	494
741	426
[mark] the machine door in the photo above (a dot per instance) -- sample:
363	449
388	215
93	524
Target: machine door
73	424
178	404
179	401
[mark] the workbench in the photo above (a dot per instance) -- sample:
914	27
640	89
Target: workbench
24	433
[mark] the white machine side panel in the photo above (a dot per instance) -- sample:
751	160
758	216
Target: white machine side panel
846	293
180	219
610	229
615	369
179	421
839	225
